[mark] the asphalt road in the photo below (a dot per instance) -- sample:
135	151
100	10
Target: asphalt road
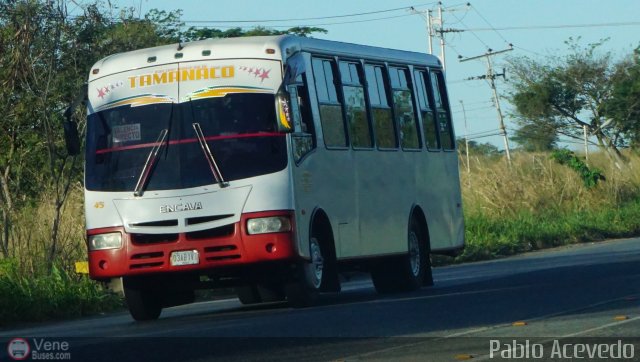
584	294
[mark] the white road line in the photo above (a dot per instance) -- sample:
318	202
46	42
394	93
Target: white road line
612	324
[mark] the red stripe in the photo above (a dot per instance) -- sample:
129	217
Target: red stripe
189	140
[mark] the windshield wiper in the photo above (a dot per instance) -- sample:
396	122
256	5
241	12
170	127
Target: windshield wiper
151	161
213	165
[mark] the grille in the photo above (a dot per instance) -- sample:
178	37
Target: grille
203	219
146	260
218	232
153	238
221	252
161	223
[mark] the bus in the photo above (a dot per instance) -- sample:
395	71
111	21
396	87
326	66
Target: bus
270	165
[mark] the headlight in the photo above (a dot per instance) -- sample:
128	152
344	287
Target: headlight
263	225
105	241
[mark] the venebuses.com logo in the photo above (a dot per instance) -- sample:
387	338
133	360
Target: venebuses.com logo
20	349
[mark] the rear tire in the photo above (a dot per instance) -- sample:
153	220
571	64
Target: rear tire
407	272
144	304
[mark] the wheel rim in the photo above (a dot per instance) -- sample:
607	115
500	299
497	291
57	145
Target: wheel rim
414	253
317	263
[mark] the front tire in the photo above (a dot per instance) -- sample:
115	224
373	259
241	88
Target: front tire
311	277
407	272
144	304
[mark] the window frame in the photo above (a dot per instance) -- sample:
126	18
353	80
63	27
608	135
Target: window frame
363	85
424	73
444	98
298	84
336	83
386	83
409	87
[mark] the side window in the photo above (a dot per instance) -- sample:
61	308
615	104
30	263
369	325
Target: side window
330	107
442	111
403	108
304	105
430	129
354	104
380	109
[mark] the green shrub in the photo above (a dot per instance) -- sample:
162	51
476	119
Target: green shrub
57	295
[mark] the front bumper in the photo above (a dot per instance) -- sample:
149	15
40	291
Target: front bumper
217	248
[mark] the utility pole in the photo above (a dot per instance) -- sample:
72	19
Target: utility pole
466	136
438	30
586	144
491	76
430	31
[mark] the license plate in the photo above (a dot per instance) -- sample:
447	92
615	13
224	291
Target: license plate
187	257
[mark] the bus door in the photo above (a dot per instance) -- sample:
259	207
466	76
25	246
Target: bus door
323	172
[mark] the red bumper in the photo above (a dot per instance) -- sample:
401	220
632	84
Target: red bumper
220	247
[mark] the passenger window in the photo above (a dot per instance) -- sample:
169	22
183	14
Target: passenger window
442	111
385	134
403	108
430	129
355	107
330	107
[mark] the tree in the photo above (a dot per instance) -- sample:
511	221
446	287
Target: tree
475	148
623	107
568	93
194	33
533	137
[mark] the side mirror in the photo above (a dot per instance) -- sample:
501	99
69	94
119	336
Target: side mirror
283	111
71	138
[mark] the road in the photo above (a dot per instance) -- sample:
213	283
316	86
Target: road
570	294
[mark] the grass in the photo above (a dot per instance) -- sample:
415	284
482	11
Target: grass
537	203
494	237
31	292
56	295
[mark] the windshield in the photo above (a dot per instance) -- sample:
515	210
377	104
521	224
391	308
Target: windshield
238	128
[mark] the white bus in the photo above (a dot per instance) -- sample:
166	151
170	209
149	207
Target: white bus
267	164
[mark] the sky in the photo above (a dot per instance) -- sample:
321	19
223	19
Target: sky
536	28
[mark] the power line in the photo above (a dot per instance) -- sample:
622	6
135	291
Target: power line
491	26
480	133
472	33
474	109
559	26
314	18
309	25
533	136
485	136
527	50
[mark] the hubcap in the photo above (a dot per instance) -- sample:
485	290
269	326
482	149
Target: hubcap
414	253
317	263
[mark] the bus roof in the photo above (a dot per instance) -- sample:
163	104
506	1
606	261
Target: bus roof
251	47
